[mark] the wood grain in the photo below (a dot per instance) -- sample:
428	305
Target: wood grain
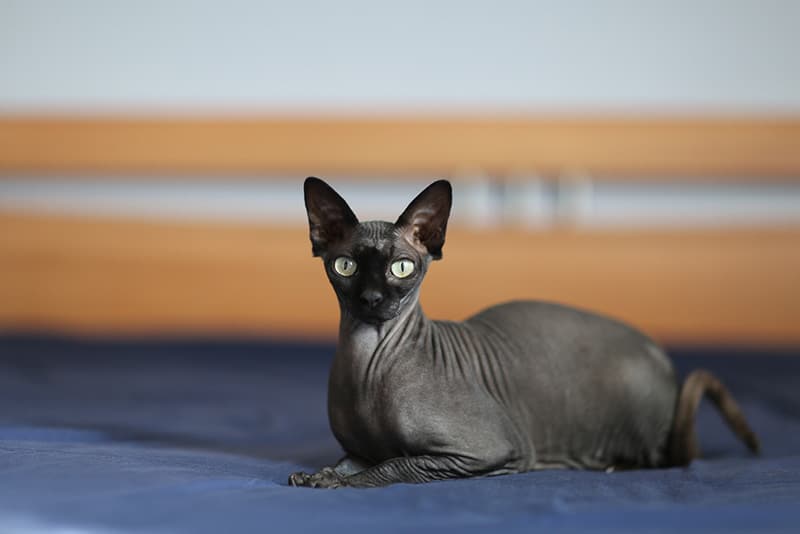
128	277
726	149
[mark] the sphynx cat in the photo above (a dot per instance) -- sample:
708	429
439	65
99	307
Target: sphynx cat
520	386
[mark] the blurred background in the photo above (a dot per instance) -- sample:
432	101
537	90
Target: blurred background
636	158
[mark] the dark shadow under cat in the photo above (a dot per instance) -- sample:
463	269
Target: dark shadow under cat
520	386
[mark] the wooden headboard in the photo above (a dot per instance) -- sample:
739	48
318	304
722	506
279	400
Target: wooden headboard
107	275
721	148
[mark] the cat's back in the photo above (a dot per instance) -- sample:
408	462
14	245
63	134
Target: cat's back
550	325
555	338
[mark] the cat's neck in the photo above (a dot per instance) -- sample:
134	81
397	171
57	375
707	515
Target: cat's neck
358	338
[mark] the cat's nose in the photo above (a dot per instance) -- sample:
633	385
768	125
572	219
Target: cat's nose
371	298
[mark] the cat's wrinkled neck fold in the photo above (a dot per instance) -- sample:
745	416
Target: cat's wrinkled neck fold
359	339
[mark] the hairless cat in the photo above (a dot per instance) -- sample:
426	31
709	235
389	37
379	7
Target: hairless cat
520	386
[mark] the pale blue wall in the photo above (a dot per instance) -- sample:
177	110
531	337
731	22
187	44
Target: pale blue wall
570	55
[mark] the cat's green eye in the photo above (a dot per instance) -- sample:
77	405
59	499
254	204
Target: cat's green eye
402	268
344	266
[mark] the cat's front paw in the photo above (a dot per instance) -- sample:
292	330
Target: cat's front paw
299	479
325	478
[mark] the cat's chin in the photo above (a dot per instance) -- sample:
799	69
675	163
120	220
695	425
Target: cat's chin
375	318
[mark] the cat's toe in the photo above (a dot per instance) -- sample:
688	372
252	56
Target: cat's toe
326	478
299	479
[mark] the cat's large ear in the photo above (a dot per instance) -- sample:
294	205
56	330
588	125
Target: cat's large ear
425	219
329	217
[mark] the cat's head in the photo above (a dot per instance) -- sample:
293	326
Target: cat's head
376	267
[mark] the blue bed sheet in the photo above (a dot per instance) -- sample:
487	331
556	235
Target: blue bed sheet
200	435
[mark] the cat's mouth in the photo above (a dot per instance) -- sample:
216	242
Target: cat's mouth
376	316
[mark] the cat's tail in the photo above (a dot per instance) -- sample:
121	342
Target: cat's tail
683	440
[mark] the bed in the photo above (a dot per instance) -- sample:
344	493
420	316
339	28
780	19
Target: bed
199	435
